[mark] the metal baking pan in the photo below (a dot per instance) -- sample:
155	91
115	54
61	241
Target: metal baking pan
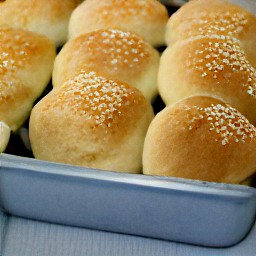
193	212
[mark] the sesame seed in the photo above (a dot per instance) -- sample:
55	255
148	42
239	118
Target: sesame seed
89	93
117	47
232	125
114	61
221	55
13	47
221	23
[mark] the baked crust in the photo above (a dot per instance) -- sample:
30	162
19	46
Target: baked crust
147	18
92	121
114	53
26	63
200	138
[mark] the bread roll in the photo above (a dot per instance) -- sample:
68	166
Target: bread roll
200	138
91	121
213	66
115	53
47	17
26	62
249	5
5	133
220	17
147	18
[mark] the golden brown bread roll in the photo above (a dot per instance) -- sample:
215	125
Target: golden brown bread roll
214	66
49	17
147	18
91	121
26	62
115	53
200	138
5	133
220	17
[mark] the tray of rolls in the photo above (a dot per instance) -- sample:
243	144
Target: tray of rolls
136	117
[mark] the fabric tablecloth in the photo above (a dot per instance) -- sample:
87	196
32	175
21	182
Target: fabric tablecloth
23	237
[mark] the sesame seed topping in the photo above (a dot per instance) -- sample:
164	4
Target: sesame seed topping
218	55
95	97
14	49
115	47
227	122
221	23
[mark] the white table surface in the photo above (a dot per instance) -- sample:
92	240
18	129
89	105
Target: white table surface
22	237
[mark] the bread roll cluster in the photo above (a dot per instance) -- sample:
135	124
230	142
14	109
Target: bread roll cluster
46	17
29	33
26	62
210	65
104	78
216	17
115	53
208	83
